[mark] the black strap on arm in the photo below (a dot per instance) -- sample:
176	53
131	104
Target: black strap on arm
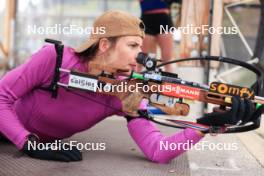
59	50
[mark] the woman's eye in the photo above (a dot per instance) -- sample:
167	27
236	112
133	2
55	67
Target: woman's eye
133	45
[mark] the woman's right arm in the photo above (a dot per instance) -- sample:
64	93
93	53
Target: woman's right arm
19	82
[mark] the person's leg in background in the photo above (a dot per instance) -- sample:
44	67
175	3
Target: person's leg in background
156	37
150	40
149	46
165	42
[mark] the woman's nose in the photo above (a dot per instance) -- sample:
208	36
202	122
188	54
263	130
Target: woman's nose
134	61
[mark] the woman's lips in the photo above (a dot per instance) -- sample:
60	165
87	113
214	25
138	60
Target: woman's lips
133	66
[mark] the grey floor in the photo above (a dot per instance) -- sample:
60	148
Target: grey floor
122	157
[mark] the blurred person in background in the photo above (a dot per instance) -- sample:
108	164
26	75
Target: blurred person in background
154	14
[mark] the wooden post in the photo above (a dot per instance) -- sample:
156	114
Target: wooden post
194	14
8	24
217	22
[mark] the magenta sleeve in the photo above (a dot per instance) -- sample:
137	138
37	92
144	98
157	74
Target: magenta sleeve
19	82
155	145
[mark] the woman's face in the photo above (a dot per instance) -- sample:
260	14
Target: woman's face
123	54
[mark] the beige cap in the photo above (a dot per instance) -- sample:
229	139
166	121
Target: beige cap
113	24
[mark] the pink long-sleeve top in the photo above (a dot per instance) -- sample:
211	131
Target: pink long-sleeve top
24	108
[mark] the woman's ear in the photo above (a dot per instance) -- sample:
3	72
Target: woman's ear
104	45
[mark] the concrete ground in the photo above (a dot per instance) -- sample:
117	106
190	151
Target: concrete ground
120	157
123	157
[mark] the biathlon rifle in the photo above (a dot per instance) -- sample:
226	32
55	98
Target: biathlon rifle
168	92
165	90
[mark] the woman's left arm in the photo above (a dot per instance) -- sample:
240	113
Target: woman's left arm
152	142
149	138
